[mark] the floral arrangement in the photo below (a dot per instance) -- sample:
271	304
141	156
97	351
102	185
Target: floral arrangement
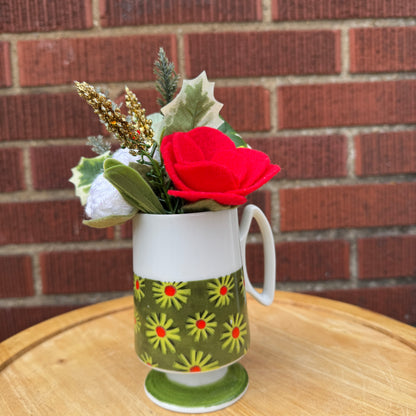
184	159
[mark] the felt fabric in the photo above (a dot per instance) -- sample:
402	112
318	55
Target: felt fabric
205	164
103	199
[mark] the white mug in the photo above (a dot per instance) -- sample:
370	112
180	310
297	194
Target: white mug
190	284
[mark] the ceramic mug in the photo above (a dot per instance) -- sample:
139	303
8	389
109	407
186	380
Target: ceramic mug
190	284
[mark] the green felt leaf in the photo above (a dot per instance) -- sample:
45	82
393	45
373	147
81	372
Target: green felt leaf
109	221
85	172
132	187
142	169
232	134
194	106
204	205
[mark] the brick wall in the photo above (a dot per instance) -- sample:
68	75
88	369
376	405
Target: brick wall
326	87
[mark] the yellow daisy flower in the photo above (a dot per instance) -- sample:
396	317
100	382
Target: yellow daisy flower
138	286
197	362
220	291
161	333
242	285
235	330
137	322
171	293
147	359
201	325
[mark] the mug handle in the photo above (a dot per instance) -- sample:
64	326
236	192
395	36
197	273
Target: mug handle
267	295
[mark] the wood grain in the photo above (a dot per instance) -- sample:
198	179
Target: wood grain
309	356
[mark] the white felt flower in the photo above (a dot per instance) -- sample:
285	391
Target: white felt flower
104	200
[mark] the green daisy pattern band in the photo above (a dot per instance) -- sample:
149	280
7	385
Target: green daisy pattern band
191	326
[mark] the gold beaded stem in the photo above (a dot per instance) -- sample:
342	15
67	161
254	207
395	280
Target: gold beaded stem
135	139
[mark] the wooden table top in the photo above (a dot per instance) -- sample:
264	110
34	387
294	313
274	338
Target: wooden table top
308	356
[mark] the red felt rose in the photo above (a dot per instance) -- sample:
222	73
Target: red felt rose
205	164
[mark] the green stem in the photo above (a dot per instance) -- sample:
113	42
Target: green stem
158	172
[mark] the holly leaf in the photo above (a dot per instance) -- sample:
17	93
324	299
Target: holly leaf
194	106
232	134
157	126
132	187
85	172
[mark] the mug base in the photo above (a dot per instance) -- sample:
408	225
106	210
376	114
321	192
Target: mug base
185	398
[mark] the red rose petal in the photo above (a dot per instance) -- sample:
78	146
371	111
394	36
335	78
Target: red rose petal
207	176
168	156
256	165
270	172
234	161
205	164
185	149
210	141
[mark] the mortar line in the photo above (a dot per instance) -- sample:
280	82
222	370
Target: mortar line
267	12
203	27
279	80
345	52
95	10
37	274
27	169
351	155
353	262
14	63
180	44
274	109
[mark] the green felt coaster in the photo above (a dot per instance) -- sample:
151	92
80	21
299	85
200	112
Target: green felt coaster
187	399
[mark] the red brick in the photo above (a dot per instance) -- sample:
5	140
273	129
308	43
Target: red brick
255	262
51	165
5	65
312	261
87	271
341	9
46	221
160	12
385	153
245	108
16	319
378	205
306	157
347	104
40	16
248	54
46	116
11	170
263	200
387	49
384	257
16	276
398	302
302	261
120	59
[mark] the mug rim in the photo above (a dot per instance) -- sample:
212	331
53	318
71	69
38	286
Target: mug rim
198	213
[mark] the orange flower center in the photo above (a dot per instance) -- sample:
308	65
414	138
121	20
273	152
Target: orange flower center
235	333
201	324
195	369
170	290
161	332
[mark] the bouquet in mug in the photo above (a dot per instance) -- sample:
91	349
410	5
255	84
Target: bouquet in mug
186	158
